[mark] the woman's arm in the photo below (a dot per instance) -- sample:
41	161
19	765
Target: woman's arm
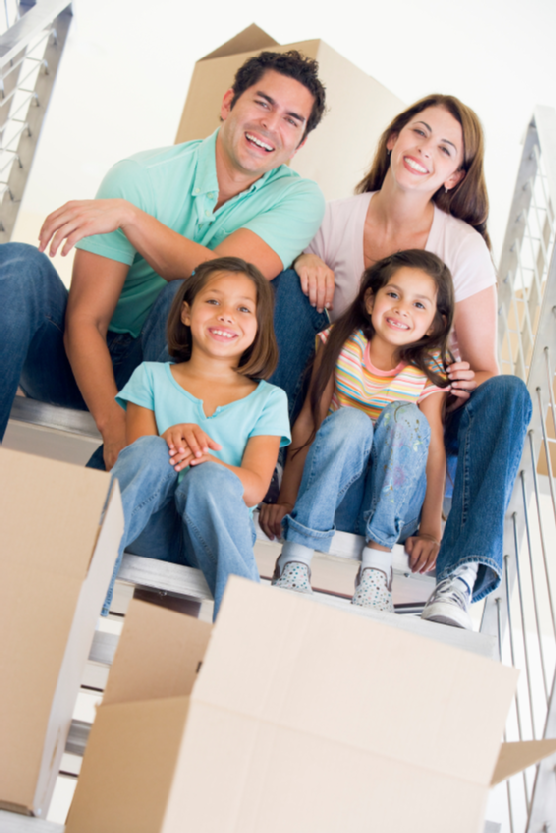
475	323
423	548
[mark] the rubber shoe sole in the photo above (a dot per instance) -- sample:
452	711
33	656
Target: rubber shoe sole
448	614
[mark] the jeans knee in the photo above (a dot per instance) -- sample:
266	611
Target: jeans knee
209	480
399	418
145	450
508	393
346	426
23	262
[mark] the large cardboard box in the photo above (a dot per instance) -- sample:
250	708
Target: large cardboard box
55	567
301	718
340	150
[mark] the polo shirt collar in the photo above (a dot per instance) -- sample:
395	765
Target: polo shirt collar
206	180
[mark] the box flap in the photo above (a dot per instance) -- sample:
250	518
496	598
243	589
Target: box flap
249	40
50	513
128	767
285	659
158	655
514	757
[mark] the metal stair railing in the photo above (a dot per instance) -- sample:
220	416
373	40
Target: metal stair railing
29	55
521	613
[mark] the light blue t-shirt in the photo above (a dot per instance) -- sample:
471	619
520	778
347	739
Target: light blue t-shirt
179	187
263	412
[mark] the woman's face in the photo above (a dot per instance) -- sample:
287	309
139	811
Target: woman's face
428	152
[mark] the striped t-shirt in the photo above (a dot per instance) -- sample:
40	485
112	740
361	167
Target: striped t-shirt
359	384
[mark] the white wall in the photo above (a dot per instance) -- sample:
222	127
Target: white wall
126	68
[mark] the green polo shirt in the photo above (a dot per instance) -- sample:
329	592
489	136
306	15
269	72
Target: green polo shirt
178	186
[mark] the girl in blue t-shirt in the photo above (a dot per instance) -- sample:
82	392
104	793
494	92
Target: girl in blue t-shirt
204	432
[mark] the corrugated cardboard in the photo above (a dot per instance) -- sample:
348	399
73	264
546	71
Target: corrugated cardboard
55	567
302	718
340	150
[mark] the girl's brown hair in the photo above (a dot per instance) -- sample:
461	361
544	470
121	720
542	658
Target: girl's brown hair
356	318
468	200
260	359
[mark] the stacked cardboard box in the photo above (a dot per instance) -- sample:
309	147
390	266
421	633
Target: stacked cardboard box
292	716
56	562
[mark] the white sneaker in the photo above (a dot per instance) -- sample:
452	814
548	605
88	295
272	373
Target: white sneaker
373	589
449	604
294	576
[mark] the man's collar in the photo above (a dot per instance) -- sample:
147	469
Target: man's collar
206	180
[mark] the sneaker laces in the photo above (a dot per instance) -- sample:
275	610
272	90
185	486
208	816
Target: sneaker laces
447	591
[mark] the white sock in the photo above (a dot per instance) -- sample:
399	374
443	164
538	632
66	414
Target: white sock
377	559
291	551
467	573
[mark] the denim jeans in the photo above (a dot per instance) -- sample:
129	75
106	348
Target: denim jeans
202	521
32	310
296	324
487	435
363	479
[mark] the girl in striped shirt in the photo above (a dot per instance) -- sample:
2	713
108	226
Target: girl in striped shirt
367	453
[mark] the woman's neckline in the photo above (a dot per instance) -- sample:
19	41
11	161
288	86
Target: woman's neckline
433	224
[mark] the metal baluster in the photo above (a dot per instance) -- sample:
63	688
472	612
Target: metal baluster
533	584
523	629
512	655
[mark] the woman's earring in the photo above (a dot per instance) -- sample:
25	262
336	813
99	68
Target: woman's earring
388	151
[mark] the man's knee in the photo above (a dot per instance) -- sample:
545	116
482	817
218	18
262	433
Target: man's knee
21	261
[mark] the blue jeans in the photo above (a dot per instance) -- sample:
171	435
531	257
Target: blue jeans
32	310
362	479
487	435
296	324
200	522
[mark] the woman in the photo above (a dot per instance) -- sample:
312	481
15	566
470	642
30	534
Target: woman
426	190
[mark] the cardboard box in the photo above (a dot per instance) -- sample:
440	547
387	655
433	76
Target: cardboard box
55	568
340	150
301	719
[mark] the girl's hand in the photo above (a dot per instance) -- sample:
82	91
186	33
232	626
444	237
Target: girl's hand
423	552
462	382
270	518
187	442
82	218
317	281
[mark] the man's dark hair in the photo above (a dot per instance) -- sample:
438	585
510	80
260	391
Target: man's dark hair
292	64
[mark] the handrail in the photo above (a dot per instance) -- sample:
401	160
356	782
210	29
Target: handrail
522	612
31	24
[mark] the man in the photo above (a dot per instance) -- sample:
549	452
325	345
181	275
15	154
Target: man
156	217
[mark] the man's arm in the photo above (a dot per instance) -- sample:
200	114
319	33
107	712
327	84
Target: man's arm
171	255
95	288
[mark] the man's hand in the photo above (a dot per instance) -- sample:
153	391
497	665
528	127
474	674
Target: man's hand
423	552
462	382
187	444
82	218
270	518
317	281
114	437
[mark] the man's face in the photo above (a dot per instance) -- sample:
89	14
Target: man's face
265	128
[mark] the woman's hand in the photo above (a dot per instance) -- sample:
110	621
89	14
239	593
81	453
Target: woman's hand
423	551
462	382
317	281
82	218
270	518
186	443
